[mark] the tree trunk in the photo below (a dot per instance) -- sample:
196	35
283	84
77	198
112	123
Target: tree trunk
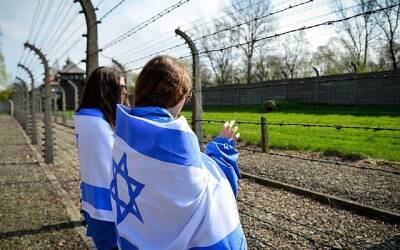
249	66
392	55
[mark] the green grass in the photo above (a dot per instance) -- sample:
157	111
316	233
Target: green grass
347	143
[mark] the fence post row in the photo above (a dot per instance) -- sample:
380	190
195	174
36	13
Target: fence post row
197	115
264	134
47	107
25	104
33	104
92	45
16	100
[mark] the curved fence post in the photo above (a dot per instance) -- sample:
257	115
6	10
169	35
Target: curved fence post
11	107
197	115
25	104
33	104
47	109
92	46
76	94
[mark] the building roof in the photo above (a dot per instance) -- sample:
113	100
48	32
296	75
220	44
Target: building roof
71	68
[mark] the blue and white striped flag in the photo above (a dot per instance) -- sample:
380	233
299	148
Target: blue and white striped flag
95	139
165	193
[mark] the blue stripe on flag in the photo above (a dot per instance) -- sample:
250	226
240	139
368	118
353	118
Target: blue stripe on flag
91	112
125	244
168	145
98	197
235	240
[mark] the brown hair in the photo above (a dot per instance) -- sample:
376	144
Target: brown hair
163	82
103	91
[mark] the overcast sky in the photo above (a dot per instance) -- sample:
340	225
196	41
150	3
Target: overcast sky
16	18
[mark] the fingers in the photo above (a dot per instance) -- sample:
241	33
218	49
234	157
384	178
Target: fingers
237	136
229	131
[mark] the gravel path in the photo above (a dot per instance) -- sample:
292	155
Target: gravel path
369	187
31	213
271	218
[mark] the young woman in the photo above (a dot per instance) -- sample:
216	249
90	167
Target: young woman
94	124
166	194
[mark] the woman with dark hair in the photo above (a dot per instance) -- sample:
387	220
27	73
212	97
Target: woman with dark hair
94	124
166	193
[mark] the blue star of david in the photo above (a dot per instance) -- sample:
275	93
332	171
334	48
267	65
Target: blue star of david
134	189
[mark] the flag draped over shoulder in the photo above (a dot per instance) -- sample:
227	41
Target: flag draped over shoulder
165	193
95	139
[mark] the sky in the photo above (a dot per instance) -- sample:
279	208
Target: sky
16	18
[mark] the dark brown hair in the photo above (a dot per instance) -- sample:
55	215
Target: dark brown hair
103	91
163	82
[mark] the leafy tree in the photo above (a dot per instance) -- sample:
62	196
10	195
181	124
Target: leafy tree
5	94
255	27
388	21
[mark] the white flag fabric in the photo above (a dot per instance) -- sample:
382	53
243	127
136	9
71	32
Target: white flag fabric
166	194
95	139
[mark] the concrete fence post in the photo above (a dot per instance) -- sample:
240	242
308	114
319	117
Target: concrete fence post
76	94
197	115
47	108
33	104
92	45
11	107
25	104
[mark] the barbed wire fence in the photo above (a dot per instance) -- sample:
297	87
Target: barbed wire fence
57	44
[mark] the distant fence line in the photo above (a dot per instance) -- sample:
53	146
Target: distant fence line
382	88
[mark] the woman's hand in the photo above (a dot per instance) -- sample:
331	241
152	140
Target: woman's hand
229	131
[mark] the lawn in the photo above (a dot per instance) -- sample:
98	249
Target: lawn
347	143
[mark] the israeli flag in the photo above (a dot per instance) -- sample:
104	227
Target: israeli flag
95	139
166	194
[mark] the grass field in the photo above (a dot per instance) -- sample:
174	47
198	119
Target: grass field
346	143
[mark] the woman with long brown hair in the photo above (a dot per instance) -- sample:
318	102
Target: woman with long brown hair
94	124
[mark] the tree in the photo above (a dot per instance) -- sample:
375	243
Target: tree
250	12
356	33
220	61
388	22
3	72
268	67
295	53
5	94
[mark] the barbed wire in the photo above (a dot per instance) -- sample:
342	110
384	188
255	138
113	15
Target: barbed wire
322	161
111	10
326	23
144	24
141	47
276	35
307	125
253	20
